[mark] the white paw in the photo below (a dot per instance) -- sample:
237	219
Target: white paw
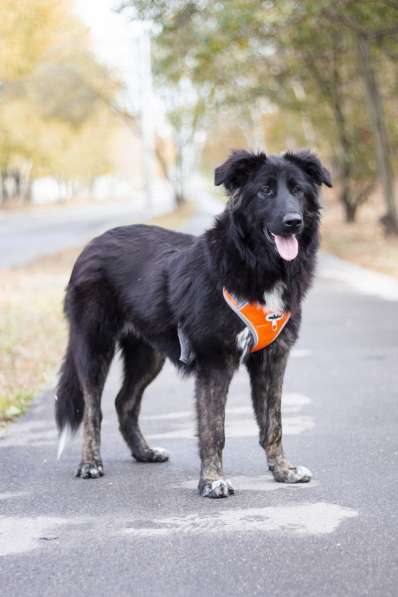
151	455
160	454
216	489
90	470
294	474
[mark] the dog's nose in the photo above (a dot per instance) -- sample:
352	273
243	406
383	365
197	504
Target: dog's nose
292	221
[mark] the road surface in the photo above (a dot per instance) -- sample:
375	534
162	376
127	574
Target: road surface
27	235
143	531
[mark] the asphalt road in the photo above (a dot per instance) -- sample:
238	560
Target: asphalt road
27	235
143	531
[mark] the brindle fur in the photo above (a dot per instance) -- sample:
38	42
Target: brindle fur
141	365
134	287
211	397
266	370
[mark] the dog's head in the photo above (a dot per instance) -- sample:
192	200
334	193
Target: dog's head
274	199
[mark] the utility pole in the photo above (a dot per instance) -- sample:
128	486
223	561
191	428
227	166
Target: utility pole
142	46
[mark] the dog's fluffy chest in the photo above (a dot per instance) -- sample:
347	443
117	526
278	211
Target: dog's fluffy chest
273	300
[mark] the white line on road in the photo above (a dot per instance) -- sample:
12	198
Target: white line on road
296	519
18	535
257	483
239	420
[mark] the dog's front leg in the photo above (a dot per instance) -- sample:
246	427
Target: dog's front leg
267	369
211	395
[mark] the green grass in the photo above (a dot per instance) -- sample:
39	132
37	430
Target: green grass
14	404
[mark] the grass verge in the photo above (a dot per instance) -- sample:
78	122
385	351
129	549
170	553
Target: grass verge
362	242
32	326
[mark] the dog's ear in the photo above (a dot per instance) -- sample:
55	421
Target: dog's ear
238	168
311	165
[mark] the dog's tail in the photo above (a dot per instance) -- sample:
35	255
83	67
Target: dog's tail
69	401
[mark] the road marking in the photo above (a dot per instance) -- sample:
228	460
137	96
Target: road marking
11	495
319	518
181	414
257	483
18	535
239	420
291	401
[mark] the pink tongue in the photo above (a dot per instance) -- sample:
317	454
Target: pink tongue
287	246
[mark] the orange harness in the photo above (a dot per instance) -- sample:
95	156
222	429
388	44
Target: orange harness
265	325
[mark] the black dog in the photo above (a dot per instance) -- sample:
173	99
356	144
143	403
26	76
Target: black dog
154	293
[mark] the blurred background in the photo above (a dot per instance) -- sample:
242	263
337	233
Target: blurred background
114	112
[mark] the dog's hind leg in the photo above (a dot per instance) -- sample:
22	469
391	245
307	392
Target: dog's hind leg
93	357
141	365
267	369
211	395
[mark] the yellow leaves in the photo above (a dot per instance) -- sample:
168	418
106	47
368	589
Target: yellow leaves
20	128
56	99
82	153
27	30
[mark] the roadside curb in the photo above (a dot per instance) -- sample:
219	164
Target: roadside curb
361	279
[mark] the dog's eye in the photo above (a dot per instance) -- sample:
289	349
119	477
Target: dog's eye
296	190
265	191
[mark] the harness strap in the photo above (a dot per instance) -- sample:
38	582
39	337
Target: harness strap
265	325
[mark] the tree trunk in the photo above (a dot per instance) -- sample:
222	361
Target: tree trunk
350	211
345	166
383	151
332	86
345	198
179	199
179	175
162	161
27	195
4	190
